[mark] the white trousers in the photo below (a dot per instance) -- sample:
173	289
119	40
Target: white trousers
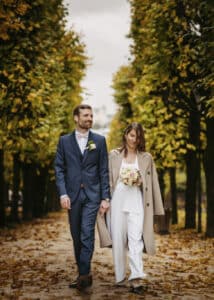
127	229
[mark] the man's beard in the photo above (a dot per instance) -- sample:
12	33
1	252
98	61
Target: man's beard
88	125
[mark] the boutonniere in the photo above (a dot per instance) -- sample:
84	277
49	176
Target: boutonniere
91	145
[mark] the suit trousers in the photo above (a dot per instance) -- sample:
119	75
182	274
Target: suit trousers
82	218
127	229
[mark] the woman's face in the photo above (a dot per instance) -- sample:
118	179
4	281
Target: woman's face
131	139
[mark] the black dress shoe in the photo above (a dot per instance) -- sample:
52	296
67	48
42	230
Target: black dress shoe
84	281
139	290
73	285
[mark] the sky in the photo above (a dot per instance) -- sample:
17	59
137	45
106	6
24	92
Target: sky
103	26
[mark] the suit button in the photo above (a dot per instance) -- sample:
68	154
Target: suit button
81	185
146	189
147	204
148	173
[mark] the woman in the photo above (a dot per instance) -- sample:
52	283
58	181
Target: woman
135	200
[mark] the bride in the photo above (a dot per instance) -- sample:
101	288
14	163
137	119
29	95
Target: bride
135	200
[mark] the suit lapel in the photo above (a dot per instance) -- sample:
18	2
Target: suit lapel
75	146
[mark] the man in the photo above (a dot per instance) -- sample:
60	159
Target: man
82	179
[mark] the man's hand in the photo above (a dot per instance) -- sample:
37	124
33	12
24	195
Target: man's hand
65	202
104	206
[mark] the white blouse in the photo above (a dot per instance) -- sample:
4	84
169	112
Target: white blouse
130	197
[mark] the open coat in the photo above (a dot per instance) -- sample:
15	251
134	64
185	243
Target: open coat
152	200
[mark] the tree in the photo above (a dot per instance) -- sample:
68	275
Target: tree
171	75
41	68
122	85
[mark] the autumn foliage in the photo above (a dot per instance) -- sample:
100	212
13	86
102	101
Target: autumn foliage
42	65
167	87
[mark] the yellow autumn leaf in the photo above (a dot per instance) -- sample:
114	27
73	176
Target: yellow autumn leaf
9	126
5	73
183	73
43	135
17	101
21	123
14	110
22	80
9	142
190	146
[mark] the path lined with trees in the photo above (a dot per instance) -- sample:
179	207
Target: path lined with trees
166	87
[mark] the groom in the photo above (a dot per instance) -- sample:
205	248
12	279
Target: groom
81	167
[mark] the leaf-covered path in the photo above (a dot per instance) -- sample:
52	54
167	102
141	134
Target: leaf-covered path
36	262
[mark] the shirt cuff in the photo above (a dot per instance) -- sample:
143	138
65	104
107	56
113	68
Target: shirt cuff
63	196
107	199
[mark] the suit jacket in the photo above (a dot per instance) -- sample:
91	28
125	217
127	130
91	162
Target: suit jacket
74	170
152	200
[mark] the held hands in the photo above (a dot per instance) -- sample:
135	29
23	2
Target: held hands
104	206
65	202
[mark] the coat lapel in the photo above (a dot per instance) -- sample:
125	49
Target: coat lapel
115	165
143	164
142	161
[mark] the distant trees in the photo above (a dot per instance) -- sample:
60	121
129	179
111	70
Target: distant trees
41	65
170	92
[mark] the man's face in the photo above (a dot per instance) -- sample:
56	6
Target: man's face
85	119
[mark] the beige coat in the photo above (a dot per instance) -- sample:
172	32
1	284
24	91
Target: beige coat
153	204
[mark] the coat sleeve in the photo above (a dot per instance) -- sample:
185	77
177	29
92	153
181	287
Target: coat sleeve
60	169
103	171
157	199
104	235
110	173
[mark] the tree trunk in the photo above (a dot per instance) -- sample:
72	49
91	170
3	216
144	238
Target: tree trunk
16	187
34	191
2	190
192	171
161	182
163	222
209	173
199	194
173	193
53	203
39	194
28	183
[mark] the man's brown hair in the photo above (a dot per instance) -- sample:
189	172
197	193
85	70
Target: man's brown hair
77	109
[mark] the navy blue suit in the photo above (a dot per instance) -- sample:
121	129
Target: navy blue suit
84	178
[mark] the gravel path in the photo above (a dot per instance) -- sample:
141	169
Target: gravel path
36	262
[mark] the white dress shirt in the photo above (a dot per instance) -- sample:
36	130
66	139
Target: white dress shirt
82	139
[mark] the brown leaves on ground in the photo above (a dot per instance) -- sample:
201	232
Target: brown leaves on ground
37	262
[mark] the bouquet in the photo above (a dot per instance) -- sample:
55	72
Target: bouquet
130	176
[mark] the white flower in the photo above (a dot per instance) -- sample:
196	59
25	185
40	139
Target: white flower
91	145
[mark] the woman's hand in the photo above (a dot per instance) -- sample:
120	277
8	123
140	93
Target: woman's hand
104	206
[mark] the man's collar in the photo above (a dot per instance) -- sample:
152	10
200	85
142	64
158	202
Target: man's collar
81	134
